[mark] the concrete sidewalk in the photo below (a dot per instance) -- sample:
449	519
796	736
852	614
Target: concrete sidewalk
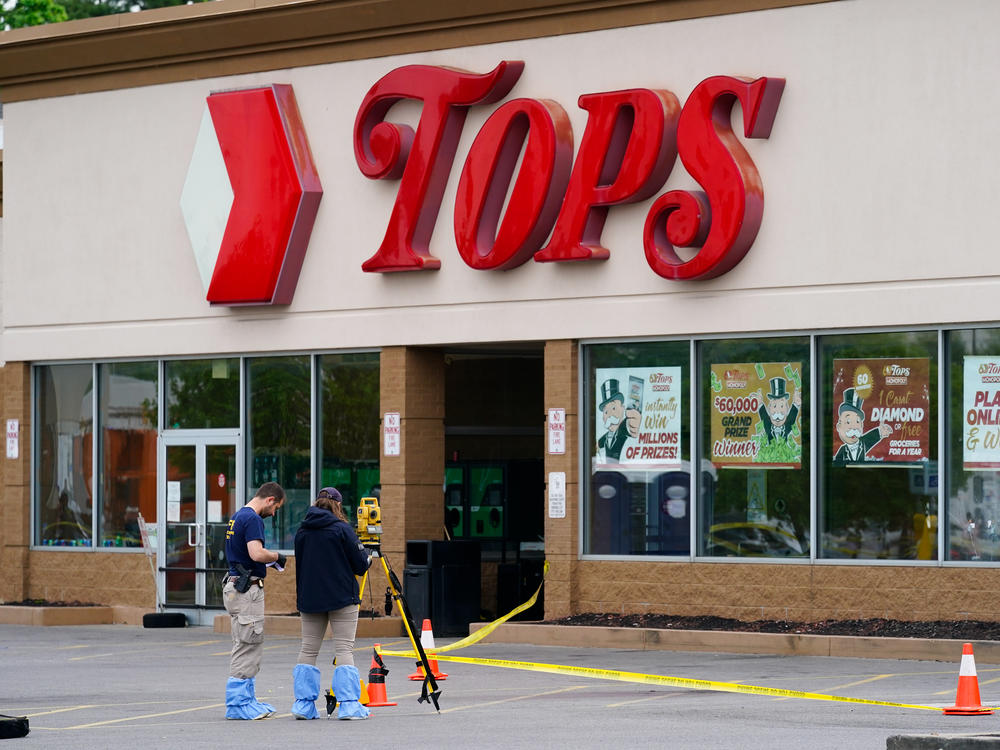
641	639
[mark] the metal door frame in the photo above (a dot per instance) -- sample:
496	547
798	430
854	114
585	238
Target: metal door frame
200	613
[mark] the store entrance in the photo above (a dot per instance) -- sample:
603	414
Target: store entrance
494	491
199	487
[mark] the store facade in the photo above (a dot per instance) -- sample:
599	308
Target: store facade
690	302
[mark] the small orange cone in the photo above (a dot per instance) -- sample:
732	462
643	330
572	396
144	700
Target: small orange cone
376	680
967	698
427	644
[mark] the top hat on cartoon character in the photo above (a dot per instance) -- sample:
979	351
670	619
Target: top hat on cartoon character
852	402
610	392
778	388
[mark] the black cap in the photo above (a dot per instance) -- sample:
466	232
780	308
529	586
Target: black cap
331	492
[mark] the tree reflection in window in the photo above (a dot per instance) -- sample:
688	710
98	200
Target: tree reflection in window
972	493
65	444
278	442
202	394
349	425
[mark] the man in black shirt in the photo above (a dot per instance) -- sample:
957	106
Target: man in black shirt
243	595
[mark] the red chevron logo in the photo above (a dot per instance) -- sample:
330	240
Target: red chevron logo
251	196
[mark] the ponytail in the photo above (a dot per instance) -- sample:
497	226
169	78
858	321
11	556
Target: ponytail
333	506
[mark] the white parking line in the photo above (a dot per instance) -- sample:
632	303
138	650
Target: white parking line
145	716
60	710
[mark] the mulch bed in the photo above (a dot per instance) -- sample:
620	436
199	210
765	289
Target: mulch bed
973	630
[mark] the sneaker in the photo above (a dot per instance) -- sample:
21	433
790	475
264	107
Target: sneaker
264	715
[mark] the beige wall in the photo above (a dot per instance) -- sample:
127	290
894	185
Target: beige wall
847	239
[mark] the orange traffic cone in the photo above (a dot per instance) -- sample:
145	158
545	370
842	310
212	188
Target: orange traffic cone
967	699
376	680
427	643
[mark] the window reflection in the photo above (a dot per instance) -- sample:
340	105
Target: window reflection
755	434
64	445
879	504
278	440
202	394
349	425
128	413
637	420
973	486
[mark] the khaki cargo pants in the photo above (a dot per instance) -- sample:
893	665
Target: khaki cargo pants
246	612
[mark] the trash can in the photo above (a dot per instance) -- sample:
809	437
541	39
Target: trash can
441	583
515	583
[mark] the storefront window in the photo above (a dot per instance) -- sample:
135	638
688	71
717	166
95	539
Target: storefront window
973	428
64	447
202	394
754	426
349	425
637	418
278	439
127	408
878	446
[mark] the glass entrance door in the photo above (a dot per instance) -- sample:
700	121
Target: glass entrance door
200	485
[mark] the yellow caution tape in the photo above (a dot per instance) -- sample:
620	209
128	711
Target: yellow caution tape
684	682
620	676
484	631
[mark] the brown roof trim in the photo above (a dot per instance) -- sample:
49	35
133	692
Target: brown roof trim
229	37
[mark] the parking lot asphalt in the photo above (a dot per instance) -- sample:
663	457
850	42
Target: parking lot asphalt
121	686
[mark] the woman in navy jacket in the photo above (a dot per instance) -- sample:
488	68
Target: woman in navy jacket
328	556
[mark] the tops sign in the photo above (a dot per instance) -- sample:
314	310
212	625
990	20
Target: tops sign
251	196
629	147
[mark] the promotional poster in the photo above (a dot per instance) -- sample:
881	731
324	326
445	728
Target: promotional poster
881	410
638	419
981	406
756	410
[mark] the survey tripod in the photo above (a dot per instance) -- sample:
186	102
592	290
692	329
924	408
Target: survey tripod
394	593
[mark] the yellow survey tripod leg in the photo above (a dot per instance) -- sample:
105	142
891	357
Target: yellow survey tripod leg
429	690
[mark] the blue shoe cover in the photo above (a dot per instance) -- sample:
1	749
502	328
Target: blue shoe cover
242	703
305	684
347	687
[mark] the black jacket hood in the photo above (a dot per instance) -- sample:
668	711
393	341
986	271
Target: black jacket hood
319	518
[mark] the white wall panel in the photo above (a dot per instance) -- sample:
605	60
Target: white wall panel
879	178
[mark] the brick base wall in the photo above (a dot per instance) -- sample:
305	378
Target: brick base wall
789	592
93	577
15	492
